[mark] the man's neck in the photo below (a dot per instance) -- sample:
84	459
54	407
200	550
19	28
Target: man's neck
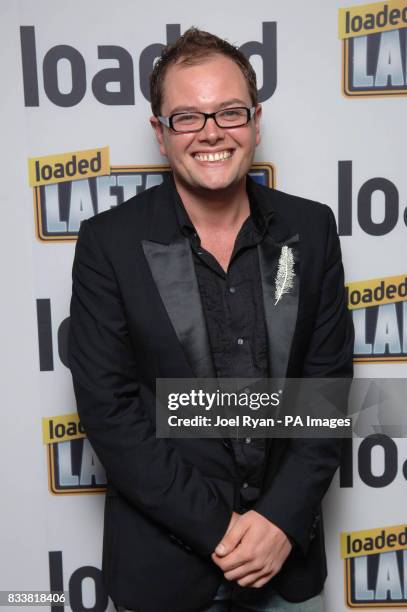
223	210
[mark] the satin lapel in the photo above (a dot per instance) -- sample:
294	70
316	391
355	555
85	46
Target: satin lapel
281	317
173	271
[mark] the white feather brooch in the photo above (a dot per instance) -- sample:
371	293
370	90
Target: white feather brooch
285	273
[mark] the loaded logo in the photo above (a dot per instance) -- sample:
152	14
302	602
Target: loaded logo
67	76
61	201
73	466
379	310
68	166
374	39
375	567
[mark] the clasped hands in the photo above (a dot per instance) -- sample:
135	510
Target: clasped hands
252	550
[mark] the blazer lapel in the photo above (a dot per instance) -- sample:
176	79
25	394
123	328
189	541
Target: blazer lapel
170	259
281	316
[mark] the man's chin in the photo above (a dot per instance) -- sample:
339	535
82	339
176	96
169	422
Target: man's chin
217	185
210	185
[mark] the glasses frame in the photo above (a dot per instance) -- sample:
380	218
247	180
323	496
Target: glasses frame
168	121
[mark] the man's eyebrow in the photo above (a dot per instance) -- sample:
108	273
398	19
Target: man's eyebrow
233	101
183	109
225	104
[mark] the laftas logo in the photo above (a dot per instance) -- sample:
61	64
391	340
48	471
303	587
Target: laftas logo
73	466
374	38
379	309
375	567
71	187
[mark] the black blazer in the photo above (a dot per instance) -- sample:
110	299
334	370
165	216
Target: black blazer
136	315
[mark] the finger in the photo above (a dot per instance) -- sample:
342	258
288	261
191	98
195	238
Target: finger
228	563
255	580
235	559
216	559
231	539
262	581
235	517
246	569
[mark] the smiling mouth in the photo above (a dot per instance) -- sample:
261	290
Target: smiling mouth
214	157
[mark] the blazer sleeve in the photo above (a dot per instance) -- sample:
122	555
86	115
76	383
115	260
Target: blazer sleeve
307	467
148	471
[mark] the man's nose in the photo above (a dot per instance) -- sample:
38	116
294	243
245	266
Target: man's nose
211	132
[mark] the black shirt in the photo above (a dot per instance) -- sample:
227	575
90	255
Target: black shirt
232	303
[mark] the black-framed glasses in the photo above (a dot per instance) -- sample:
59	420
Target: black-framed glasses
195	121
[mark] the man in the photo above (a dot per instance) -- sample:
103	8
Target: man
180	282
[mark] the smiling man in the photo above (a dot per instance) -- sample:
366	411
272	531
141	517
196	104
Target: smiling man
180	282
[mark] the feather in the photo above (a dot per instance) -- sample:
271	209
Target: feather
285	273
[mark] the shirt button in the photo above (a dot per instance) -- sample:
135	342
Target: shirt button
240	340
248	440
245	485
232	290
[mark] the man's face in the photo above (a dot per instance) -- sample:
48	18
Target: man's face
207	87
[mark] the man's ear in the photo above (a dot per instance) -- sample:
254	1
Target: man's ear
159	134
257	116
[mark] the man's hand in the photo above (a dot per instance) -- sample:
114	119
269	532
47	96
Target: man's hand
252	551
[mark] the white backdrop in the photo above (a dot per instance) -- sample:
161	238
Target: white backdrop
309	126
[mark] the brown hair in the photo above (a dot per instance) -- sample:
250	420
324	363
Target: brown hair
192	47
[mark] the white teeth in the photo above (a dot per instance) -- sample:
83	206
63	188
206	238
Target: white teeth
213	156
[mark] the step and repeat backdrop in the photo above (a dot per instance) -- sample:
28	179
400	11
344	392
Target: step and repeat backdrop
76	140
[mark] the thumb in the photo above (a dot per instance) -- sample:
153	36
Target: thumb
231	539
